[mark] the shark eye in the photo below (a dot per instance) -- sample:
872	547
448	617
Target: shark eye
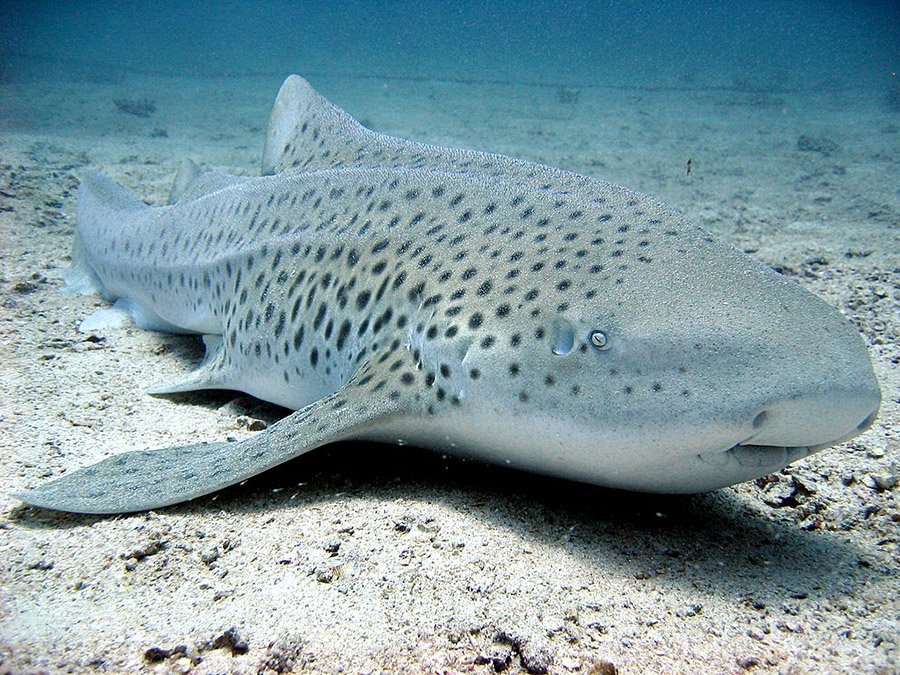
599	340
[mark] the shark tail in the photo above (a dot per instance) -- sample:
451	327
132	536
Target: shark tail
105	207
100	201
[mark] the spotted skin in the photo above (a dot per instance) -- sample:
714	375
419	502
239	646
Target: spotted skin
479	304
327	283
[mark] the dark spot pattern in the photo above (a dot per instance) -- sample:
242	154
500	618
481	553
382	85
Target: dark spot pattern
311	278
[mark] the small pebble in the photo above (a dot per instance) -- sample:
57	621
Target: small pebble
231	639
156	654
25	287
250	424
535	660
210	555
42	565
602	667
327	574
883	482
149	549
748	662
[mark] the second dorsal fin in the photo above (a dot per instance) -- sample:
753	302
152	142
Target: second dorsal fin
192	183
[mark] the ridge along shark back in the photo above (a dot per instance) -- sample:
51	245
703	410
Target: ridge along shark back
472	303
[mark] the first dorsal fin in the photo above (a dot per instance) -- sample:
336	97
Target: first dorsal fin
306	131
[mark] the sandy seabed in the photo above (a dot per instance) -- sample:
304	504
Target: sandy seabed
367	558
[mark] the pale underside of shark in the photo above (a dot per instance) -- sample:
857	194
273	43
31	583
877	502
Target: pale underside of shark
473	303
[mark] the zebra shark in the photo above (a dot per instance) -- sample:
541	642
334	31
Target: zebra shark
473	303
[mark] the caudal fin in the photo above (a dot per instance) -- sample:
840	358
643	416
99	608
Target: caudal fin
101	201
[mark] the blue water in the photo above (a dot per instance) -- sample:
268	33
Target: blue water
765	44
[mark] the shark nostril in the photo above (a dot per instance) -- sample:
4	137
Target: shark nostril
760	419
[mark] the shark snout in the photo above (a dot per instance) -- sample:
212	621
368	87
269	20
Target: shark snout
815	380
784	431
815	419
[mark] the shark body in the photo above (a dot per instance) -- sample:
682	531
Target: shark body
473	303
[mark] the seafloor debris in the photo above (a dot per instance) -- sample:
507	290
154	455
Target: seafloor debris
892	96
230	639
140	107
820	144
568	95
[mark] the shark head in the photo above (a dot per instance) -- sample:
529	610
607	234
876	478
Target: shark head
720	370
663	361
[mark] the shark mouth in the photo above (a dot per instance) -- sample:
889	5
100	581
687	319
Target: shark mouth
766	458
